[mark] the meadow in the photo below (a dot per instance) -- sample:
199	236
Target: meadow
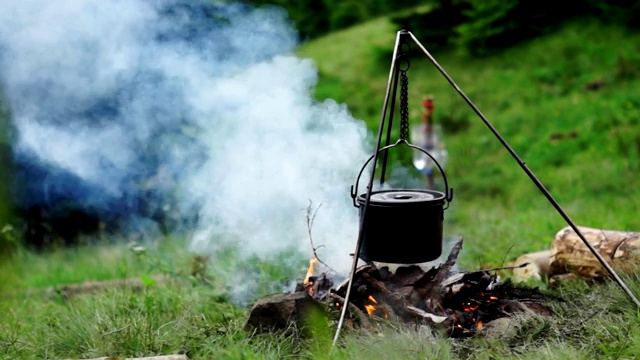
582	142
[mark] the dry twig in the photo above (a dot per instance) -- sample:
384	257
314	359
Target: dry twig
311	216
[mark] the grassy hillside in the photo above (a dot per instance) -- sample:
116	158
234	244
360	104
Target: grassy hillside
582	143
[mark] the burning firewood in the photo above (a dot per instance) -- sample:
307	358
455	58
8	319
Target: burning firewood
459	303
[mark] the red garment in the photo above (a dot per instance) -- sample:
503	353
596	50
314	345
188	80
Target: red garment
428	104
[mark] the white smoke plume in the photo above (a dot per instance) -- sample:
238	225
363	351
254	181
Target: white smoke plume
213	108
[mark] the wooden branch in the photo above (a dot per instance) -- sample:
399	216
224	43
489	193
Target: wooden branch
311	217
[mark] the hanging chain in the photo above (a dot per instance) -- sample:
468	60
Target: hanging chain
404	105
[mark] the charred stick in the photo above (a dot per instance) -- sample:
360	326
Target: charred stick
426	278
354	310
444	270
389	313
398	303
437	276
505	267
379	285
343	286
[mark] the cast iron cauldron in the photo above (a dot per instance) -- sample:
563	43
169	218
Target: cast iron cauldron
402	226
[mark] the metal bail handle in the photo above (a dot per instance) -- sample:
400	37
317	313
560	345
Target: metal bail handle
448	193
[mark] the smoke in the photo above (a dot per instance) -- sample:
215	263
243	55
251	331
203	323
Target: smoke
184	108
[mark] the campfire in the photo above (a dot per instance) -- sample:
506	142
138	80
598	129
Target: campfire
459	303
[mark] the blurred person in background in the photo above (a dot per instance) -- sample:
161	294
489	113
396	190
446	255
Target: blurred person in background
428	136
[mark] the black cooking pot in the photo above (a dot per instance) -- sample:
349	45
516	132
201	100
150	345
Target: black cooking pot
402	226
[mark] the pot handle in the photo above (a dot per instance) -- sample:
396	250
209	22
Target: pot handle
448	193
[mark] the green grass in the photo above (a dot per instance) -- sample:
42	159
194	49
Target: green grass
31	270
192	316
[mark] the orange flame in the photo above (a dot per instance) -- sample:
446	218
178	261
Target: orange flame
310	271
308	284
370	308
479	325
469	307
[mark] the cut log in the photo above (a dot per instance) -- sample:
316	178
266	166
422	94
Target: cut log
570	255
537	266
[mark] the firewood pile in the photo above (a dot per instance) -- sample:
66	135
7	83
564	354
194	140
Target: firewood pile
458	303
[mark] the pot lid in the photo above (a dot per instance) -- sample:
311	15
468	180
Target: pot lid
403	196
